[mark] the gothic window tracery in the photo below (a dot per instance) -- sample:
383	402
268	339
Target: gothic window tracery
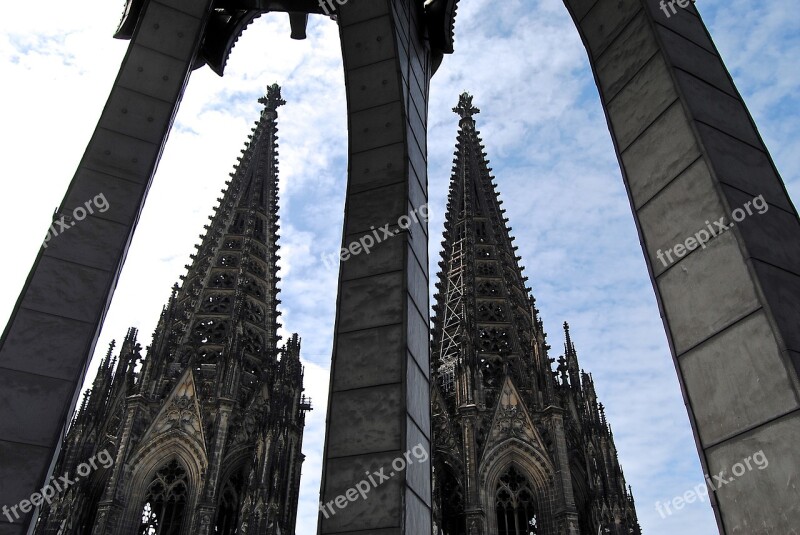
484	252
233	244
256	268
164	506
253	312
253	288
216	304
223	280
493	371
480	231
516	506
489	311
210	331
258	231
238	224
257	250
253	341
486	269
228	260
488	289
229	505
451	497
494	340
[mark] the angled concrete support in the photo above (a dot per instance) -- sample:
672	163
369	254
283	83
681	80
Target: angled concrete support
379	408
690	154
45	348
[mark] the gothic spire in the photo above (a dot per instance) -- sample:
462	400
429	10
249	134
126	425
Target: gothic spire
482	318
228	301
572	359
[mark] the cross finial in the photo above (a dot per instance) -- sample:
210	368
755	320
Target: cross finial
465	109
273	97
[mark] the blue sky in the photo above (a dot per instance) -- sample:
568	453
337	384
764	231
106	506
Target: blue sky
545	135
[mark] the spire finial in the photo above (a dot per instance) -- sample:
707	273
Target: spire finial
273	98
465	109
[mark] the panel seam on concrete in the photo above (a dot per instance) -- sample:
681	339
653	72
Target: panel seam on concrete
362	329
379	452
376	385
421	266
620	31
634	75
422	316
654	121
27	444
765	263
170	56
373	188
95	170
771	205
750	429
383	103
384	15
52	257
69	381
126	135
715	52
100	218
380	146
126	88
619	34
719	332
746	255
379	274
175	9
658	192
760	149
55	315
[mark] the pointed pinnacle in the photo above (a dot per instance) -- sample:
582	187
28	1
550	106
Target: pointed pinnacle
273	97
465	109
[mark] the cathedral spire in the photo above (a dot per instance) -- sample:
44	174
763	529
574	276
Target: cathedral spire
483	328
495	394
227	303
213	384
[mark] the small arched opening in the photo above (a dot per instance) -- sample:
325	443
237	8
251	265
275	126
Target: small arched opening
515	505
164	508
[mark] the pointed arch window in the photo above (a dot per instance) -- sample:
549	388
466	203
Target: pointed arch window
230	504
515	505
451	500
165	504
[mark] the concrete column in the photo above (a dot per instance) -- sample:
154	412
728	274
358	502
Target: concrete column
45	349
379	404
690	154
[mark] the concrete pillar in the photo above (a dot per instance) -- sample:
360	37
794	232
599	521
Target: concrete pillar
45	349
379	406
690	154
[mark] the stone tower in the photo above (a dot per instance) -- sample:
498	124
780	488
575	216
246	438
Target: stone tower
203	430
519	449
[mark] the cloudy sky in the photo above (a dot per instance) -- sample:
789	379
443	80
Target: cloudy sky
544	132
